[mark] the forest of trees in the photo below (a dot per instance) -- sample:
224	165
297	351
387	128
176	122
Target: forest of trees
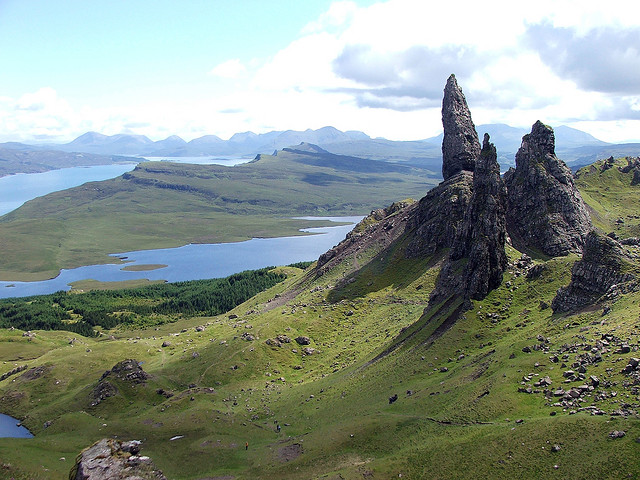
154	304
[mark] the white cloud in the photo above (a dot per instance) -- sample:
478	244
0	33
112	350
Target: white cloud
381	69
232	69
340	14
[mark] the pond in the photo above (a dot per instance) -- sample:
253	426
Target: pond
10	427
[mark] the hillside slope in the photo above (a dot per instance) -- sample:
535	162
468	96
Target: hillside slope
162	204
379	390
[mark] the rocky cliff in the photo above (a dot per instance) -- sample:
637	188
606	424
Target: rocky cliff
441	212
545	211
604	270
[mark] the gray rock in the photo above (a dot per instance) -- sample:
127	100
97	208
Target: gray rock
109	459
434	223
460	145
302	340
479	245
545	210
602	267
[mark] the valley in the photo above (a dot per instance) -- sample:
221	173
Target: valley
487	329
162	205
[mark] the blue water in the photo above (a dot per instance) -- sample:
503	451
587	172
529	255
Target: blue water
17	189
9	428
22	187
197	261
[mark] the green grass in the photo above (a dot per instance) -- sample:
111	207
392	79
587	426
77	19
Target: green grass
613	202
372	336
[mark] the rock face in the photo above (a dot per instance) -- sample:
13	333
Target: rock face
110	459
460	145
603	270
481	238
439	215
545	211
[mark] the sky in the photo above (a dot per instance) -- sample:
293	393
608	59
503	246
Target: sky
217	67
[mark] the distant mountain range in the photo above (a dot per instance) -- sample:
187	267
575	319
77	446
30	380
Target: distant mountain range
575	147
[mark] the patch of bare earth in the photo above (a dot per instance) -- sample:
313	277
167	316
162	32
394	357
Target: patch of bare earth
289	452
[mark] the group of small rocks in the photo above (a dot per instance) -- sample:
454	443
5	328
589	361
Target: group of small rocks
578	386
281	340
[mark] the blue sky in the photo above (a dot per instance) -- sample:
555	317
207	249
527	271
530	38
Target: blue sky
196	67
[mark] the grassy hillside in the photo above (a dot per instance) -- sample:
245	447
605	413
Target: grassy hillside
469	401
160	205
17	160
612	199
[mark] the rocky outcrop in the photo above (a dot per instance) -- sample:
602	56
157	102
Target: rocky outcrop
377	230
477	260
633	165
460	145
110	459
128	372
439	215
545	211
604	270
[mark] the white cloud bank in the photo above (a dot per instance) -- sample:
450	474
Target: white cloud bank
381	69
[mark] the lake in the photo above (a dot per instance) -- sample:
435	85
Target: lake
22	187
197	261
9	428
190	262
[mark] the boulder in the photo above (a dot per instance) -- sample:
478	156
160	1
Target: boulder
108	459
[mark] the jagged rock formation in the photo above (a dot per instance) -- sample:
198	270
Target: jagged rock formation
482	237
110	459
545	211
473	211
604	269
460	144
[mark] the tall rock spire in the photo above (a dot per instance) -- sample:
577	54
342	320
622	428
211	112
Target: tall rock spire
545	211
460	145
477	259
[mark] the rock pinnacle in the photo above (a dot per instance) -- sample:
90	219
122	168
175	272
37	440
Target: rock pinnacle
460	145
